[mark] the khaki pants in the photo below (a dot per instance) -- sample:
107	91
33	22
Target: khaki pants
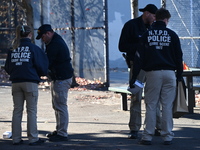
59	91
135	108
25	91
160	87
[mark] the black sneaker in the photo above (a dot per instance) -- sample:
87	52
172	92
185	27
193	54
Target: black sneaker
167	142
133	135
39	142
19	143
157	132
58	138
144	142
52	134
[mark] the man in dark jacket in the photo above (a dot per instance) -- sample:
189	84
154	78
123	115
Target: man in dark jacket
128	43
159	56
60	72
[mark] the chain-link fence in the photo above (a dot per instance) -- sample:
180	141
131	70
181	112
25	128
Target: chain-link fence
81	23
185	22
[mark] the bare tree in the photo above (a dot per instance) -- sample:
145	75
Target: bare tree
27	8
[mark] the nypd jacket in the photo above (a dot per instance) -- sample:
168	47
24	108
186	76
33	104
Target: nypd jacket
129	38
26	63
160	49
59	59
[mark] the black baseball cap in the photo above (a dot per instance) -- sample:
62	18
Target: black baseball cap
43	29
150	8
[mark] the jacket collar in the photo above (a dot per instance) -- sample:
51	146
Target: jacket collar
159	24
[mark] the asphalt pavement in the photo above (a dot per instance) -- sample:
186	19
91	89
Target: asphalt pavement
96	123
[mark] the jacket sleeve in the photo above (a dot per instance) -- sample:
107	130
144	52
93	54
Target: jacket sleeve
138	61
128	41
52	54
179	58
41	62
7	63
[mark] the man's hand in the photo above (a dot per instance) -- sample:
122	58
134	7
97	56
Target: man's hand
131	83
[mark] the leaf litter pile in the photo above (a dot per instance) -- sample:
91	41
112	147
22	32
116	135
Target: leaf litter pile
82	84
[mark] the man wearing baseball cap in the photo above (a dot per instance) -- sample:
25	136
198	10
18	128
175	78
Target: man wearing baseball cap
42	30
150	8
128	43
60	73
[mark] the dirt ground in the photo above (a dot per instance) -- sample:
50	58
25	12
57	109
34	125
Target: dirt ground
96	123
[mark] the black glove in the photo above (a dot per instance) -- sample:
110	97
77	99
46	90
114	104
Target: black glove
131	83
179	78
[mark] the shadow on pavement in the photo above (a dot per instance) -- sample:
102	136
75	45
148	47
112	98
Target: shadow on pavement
184	139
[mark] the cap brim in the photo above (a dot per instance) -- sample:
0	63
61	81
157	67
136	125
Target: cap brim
38	36
142	10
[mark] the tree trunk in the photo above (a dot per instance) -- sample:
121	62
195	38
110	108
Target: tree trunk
26	5
134	8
